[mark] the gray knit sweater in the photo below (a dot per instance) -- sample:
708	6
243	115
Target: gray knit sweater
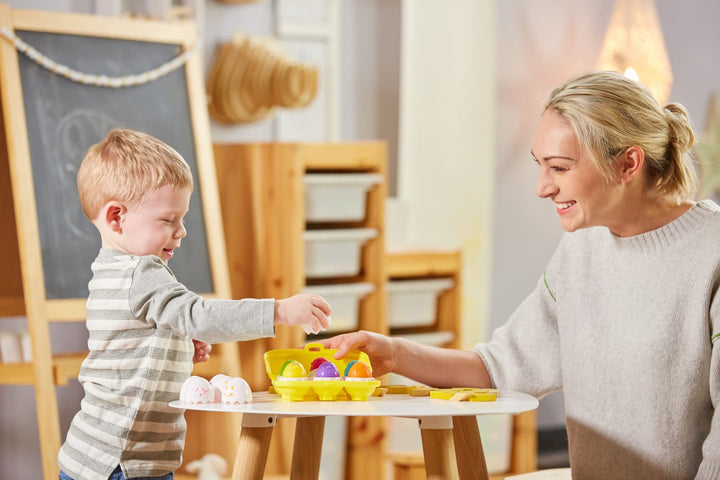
141	322
628	329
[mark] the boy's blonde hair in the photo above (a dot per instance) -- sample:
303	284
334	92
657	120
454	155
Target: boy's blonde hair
125	166
610	113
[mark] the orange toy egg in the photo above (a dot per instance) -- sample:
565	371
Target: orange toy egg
359	370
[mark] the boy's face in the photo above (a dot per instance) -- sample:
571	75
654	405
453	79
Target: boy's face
154	226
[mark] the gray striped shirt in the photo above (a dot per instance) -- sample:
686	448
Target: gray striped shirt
141	321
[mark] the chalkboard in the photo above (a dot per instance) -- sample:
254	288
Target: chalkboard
64	118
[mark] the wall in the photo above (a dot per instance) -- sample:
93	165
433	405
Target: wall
446	140
221	23
370	72
467	123
539	46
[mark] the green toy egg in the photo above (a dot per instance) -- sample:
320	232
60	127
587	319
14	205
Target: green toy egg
292	369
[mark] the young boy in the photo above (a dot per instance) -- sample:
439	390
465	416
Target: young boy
136	190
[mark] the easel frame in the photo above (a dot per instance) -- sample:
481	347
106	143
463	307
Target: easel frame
46	371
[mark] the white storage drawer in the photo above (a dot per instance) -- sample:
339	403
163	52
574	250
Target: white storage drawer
335	253
337	197
10	347
345	301
413	303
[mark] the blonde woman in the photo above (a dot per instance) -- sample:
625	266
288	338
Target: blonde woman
625	320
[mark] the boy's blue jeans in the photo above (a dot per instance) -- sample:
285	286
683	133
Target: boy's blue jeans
118	475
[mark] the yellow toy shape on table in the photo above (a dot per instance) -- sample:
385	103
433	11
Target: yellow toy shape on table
466	394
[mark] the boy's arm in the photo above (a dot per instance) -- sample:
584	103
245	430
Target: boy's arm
158	299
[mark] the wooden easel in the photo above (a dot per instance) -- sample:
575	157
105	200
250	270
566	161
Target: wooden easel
22	286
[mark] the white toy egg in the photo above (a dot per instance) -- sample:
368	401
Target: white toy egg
218	384
236	390
196	390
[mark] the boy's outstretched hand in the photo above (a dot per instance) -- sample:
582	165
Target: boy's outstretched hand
310	311
379	348
202	351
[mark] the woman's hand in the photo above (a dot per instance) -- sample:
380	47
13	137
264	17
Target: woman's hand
202	351
379	348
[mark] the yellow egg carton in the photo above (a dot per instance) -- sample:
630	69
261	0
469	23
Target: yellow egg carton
309	389
466	394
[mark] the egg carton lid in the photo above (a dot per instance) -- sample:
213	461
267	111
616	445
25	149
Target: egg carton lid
274	359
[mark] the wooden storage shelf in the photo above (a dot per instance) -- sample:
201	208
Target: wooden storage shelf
523	453
448	264
422	264
262	198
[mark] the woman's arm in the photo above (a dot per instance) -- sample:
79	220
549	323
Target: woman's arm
437	367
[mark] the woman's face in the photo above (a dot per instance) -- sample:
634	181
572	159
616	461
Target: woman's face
582	196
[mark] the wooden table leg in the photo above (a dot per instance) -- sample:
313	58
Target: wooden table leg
253	446
307	448
438	448
468	448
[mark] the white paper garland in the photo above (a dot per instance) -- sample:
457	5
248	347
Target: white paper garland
89	78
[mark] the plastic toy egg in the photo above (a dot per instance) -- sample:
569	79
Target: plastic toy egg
327	371
356	369
292	369
236	390
196	390
219	379
217	383
317	362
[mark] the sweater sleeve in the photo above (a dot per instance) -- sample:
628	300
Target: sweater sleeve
524	354
710	465
159	299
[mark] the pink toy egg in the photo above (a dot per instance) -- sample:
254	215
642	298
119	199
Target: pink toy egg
317	362
327	371
357	369
236	390
218	384
196	390
292	369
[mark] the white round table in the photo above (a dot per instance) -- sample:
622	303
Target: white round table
450	437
